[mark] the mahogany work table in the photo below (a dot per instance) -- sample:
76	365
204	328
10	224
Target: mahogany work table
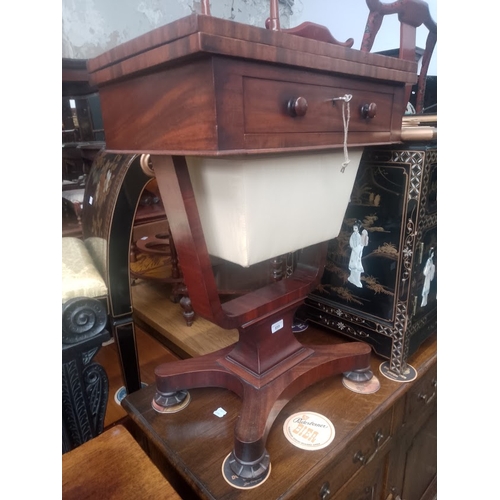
385	443
112	466
204	94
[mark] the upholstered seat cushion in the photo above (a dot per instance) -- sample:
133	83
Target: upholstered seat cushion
80	277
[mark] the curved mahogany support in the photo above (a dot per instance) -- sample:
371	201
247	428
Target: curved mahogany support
285	366
180	206
411	14
262	405
267	366
429	48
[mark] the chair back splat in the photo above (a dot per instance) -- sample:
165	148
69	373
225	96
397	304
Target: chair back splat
411	14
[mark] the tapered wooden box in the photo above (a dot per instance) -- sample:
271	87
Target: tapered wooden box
380	280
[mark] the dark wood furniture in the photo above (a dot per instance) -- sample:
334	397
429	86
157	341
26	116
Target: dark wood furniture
82	130
203	86
112	192
82	138
411	14
109	202
393	307
253	74
384	445
112	466
84	381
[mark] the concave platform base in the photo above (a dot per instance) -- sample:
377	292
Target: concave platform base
286	368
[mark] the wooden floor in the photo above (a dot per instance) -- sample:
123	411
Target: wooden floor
159	316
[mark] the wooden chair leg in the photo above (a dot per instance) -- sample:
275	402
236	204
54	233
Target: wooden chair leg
187	310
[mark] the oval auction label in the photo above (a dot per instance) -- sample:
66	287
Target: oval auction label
308	430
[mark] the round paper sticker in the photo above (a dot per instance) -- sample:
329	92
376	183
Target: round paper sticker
308	430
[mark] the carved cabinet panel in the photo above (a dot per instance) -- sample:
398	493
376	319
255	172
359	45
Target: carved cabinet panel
380	280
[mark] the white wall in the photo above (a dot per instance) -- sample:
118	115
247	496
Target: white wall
90	27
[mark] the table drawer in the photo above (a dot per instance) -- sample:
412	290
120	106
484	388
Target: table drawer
362	450
422	397
366	485
287	107
207	86
262	107
229	106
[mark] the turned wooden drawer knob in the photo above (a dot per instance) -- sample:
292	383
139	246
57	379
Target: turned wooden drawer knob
369	110
297	107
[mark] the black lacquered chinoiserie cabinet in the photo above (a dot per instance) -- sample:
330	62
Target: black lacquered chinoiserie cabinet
380	280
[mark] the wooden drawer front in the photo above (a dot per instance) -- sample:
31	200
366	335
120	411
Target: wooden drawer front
227	105
361	451
366	485
254	110
265	104
421	399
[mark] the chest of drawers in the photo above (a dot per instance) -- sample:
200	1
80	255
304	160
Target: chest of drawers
385	443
